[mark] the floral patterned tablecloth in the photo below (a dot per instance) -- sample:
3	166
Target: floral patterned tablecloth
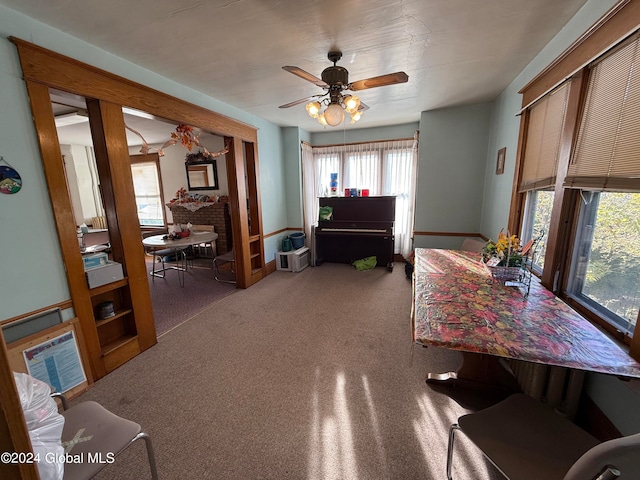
458	306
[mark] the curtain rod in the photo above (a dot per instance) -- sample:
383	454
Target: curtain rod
357	143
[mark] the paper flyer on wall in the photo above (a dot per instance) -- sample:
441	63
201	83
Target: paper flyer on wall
56	362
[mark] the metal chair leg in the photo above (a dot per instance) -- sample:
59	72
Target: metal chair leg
150	453
452	432
226	258
182	266
157	273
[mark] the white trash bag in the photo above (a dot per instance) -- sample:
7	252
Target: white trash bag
44	424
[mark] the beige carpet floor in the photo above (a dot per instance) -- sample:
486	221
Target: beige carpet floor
307	375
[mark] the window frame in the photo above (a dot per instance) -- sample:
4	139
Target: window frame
153	158
528	220
588	213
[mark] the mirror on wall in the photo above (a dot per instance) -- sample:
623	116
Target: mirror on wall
202	175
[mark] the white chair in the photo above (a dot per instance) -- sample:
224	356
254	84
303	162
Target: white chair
527	440
99	435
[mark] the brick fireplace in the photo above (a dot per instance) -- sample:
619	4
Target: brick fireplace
216	214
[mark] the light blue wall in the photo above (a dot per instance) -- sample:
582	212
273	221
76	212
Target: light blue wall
619	401
291	138
272	185
452	153
33	273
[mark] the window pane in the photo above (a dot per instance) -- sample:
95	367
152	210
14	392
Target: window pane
147	190
541	222
537	221
611	278
325	166
362	170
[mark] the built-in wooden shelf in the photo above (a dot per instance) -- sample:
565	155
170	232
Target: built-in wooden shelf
108	287
121	313
113	346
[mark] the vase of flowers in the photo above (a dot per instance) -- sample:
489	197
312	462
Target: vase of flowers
505	257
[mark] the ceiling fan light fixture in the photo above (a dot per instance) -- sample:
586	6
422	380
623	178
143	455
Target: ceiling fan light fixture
313	109
329	111
351	103
334	114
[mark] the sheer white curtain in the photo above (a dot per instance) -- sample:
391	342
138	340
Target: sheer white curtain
309	191
384	168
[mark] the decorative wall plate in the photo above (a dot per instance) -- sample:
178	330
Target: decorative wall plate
10	181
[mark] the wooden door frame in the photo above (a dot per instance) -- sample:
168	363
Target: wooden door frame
51	69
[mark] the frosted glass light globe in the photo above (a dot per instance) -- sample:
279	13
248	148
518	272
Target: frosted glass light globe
334	114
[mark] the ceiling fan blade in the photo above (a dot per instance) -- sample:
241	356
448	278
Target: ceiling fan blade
363	106
298	102
381	81
305	76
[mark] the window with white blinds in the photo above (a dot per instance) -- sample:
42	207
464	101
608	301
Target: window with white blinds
607	151
542	147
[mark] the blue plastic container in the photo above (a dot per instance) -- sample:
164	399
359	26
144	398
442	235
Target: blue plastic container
297	240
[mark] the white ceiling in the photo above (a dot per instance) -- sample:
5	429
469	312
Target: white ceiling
455	52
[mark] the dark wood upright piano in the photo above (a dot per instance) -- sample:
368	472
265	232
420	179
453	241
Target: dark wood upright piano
361	227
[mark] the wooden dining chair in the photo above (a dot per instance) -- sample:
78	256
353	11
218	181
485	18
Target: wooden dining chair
527	440
100	436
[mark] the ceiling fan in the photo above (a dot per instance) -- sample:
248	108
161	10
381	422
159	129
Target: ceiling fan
329	107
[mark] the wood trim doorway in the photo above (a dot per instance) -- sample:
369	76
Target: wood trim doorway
54	70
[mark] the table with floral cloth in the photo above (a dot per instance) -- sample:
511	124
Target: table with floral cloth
457	306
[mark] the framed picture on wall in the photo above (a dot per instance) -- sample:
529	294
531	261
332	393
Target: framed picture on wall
502	153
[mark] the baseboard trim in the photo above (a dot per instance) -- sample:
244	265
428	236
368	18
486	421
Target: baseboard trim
450	234
270	267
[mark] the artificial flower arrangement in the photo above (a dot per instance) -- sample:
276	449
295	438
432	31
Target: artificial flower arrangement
187	137
505	252
507	260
